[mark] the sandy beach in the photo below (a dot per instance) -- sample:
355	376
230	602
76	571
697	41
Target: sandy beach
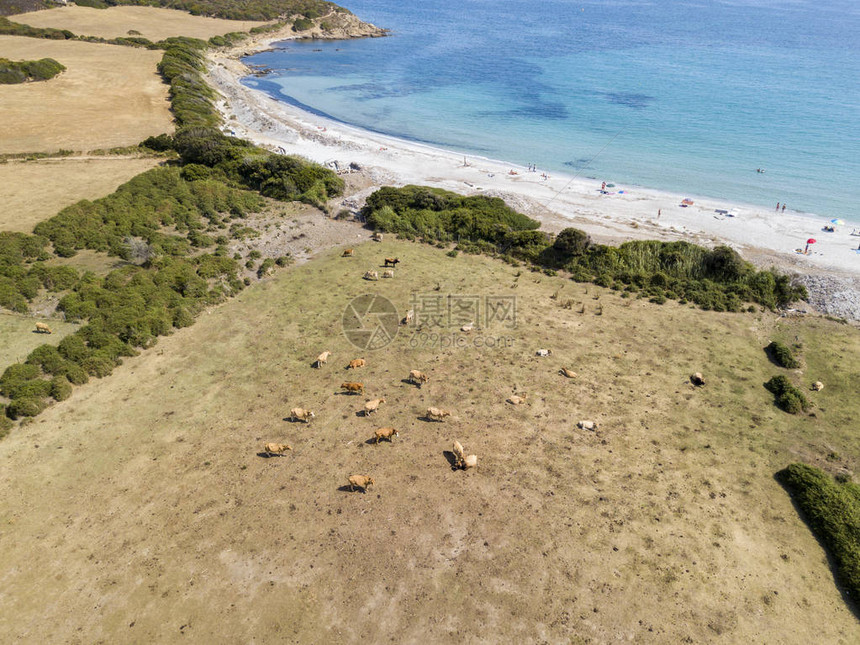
762	235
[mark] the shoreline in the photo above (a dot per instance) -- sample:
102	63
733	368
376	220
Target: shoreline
759	234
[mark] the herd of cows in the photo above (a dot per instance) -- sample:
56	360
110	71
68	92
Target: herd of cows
416	377
361	482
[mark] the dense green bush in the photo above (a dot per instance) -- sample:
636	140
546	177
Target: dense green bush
28	70
440	215
788	397
5	422
302	24
140	208
781	355
191	99
61	388
717	279
832	511
26	407
236	160
9	28
161	143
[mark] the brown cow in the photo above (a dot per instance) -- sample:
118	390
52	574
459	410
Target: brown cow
353	388
391	262
361	482
276	449
358	362
385	433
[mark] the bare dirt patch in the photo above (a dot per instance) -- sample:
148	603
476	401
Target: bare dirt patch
155	24
663	525
32	191
108	96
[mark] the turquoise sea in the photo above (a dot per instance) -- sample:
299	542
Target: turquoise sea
686	96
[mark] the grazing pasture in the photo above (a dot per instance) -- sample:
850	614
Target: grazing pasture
32	191
108	96
661	524
18	336
114	22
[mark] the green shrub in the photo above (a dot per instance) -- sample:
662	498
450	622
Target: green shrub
572	241
76	374
781	355
9	28
5	422
48	358
35	388
715	279
16	375
61	388
98	366
160	143
787	396
832	512
302	24
12	72
266	267
26	407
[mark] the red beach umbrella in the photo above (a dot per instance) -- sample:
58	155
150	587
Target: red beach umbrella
808	242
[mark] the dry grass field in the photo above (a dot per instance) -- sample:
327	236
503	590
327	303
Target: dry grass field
108	96
140	511
18	337
32	191
150	22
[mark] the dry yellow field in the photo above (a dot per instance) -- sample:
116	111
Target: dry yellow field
152	23
140	510
32	191
108	96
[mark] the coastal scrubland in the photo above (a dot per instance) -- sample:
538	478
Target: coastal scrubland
560	532
166	521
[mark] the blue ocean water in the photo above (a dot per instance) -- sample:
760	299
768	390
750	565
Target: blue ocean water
690	96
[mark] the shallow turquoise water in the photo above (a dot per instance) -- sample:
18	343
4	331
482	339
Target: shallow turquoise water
690	97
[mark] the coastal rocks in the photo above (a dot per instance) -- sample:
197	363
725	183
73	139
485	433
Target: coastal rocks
834	296
340	26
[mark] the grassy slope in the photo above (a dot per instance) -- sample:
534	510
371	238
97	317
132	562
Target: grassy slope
109	96
17	337
664	524
33	191
155	24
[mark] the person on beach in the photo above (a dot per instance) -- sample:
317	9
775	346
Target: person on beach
603	186
659	212
783	208
777	207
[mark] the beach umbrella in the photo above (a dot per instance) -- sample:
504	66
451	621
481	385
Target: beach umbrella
838	222
808	242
